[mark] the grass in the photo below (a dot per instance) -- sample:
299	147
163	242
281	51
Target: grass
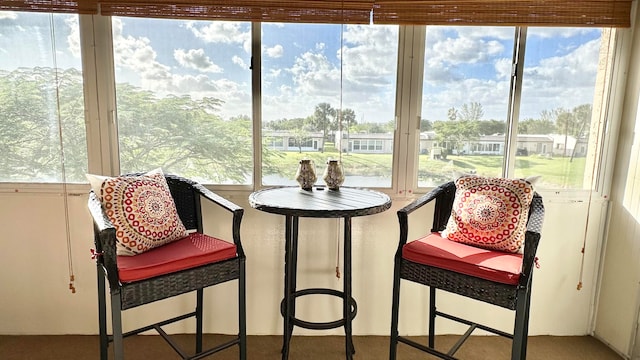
556	172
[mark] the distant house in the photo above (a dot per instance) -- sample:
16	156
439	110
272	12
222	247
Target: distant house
534	144
377	143
290	141
495	145
427	141
565	146
382	143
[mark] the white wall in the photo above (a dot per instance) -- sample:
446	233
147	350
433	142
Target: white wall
617	312
36	300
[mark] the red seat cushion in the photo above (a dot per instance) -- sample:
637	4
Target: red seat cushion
435	251
191	251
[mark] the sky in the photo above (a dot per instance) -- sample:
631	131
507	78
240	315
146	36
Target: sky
303	65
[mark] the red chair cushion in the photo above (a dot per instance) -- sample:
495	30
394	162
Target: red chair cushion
191	251
435	251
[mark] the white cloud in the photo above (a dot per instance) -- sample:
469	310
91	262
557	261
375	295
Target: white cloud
367	86
463	50
239	61
275	52
554	32
503	68
73	39
222	32
11	15
196	59
136	55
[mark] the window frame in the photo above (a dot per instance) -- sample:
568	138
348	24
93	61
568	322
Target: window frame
101	111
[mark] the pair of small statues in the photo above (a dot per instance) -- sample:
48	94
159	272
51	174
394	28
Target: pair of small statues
333	174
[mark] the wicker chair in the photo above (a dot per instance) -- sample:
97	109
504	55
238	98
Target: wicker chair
514	296
125	295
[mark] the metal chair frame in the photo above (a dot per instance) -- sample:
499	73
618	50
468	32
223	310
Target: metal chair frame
514	297
187	196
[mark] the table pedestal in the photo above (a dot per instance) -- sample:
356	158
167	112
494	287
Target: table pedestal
288	304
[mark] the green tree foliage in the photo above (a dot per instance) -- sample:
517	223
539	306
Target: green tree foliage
323	116
471	112
180	134
288	124
183	136
374	128
31	109
347	119
425	125
456	133
536	126
491	127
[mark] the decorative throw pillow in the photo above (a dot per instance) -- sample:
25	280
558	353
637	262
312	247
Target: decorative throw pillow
142	211
490	213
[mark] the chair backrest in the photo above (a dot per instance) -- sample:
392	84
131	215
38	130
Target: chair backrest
187	201
444	203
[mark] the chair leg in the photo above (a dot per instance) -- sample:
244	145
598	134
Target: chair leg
432	317
102	316
116	324
395	309
242	311
520	332
525	338
199	301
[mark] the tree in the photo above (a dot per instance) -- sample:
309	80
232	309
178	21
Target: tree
565	123
471	112
425	125
347	118
582	118
322	118
452	114
35	104
533	126
456	133
490	127
286	124
300	136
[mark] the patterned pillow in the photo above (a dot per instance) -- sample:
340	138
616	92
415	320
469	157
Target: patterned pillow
490	213
142	211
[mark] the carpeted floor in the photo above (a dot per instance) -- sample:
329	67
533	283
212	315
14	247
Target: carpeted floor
72	347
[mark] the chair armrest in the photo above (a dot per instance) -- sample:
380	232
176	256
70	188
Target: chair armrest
441	193
104	241
235	209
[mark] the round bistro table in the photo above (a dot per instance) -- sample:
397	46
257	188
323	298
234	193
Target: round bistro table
293	203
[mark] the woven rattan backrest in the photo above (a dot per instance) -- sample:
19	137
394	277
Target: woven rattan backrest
187	201
444	203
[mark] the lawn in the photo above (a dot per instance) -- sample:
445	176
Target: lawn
556	172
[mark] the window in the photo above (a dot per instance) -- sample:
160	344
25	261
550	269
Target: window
334	85
42	130
467	105
464	102
184	98
557	124
188	99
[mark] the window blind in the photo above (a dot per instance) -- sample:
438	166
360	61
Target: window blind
593	13
65	6
300	11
